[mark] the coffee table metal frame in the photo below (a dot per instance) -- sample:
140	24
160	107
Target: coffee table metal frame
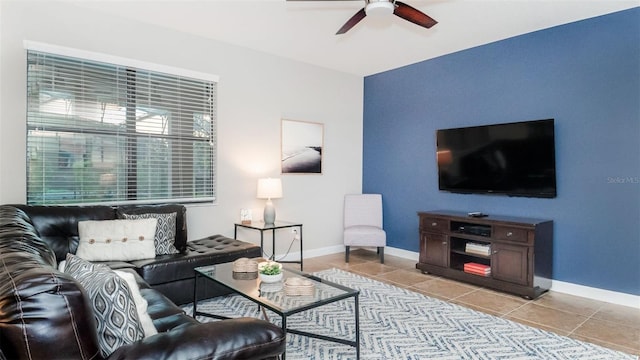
222	274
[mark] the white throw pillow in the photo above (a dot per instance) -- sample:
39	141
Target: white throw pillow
117	240
141	303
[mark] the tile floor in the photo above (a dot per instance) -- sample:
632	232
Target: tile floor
609	325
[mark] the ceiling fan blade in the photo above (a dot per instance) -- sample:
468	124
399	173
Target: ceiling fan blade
414	15
352	22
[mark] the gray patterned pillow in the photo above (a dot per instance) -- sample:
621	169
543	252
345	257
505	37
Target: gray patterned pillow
165	231
112	303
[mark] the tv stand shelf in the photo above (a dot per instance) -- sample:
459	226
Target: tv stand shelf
519	251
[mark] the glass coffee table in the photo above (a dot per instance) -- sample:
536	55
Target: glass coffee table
272	296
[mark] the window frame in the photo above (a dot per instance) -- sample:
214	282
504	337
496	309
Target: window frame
142	66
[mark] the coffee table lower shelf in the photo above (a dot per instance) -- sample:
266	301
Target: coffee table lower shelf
249	289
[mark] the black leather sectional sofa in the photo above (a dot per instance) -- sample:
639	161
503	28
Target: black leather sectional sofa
45	314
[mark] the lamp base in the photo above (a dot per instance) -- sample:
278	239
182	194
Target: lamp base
269	213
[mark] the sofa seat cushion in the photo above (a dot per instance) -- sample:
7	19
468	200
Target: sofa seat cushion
214	249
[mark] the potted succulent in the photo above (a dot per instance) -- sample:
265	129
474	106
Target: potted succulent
270	271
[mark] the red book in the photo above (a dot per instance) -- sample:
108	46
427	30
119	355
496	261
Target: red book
472	265
476	272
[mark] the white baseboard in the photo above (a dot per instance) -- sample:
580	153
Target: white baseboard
295	256
609	296
596	293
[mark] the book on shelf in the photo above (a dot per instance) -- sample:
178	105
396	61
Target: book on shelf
477	265
478	249
480	273
478	269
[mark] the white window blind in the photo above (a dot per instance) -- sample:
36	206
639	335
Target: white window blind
107	133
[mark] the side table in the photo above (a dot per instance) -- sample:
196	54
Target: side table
262	227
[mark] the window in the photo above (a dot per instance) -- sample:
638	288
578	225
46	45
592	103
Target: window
105	133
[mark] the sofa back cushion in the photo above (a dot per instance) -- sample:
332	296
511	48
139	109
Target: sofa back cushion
58	225
18	234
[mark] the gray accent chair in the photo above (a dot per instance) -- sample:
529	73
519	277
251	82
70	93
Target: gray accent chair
363	223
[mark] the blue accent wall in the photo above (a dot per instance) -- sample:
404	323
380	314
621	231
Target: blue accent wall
585	75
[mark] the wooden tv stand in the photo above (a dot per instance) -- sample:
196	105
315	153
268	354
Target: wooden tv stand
519	250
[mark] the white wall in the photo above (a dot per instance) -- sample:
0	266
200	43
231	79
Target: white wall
255	91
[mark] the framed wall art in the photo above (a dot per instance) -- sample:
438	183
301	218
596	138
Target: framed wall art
302	145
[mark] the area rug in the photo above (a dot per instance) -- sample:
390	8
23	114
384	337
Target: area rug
398	324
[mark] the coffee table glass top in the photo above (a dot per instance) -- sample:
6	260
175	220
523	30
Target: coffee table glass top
272	295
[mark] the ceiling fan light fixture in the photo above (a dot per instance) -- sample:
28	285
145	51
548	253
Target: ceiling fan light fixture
379	8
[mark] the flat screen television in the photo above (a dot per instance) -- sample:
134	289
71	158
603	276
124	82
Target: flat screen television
515	159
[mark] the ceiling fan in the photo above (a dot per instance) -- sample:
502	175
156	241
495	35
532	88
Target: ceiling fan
385	7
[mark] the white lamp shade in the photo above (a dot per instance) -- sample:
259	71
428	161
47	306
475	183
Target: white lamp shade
269	188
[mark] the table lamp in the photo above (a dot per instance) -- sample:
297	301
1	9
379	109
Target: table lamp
269	189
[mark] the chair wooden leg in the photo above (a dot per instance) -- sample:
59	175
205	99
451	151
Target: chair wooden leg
381	252
346	254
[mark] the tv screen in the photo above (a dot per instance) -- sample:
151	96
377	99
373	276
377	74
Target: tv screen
516	159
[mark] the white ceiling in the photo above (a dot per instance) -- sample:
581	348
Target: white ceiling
304	30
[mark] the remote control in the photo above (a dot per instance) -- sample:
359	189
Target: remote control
477	214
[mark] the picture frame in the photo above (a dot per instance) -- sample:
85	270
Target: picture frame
302	146
245	216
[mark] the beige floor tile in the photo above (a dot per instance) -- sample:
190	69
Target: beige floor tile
371	268
445	288
619	314
569	303
435	296
402	276
612	332
538	326
606	344
474	307
399	263
491	301
556	319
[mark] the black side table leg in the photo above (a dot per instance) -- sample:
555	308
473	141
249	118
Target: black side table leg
195	295
301	257
273	244
284	329
357	311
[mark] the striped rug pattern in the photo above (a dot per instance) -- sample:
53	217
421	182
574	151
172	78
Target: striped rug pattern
396	324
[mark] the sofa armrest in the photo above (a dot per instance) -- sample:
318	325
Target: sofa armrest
243	338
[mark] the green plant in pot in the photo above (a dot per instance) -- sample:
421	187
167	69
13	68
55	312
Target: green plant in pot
270	271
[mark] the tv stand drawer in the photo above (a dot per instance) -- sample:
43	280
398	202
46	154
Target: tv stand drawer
434	224
510	234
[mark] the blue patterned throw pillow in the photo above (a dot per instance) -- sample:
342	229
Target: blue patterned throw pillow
111	300
165	231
